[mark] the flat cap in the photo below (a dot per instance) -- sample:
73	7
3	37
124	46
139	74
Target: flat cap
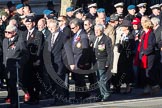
156	6
126	23
130	7
11	28
92	5
121	4
19	6
69	9
30	19
101	10
114	17
142	5
136	21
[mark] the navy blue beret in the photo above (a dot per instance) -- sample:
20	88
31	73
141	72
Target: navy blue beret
19	6
101	10
130	7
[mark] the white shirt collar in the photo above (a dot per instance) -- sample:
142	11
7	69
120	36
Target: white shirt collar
11	39
62	27
31	31
79	32
99	38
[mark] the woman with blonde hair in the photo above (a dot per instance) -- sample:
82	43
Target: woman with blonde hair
147	55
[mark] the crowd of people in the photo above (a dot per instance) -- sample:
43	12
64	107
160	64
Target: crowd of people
110	50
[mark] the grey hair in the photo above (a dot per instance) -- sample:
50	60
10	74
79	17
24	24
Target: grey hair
15	29
155	20
75	22
55	23
100	26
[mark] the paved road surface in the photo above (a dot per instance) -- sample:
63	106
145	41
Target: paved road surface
132	100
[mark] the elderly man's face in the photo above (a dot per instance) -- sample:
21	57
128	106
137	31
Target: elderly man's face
98	31
29	25
41	25
74	28
9	34
52	27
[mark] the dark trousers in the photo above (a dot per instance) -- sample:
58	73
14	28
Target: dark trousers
103	82
32	83
12	81
80	86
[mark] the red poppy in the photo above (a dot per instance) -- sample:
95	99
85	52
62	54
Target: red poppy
78	38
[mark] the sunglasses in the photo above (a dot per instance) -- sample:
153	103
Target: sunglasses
60	20
73	28
8	32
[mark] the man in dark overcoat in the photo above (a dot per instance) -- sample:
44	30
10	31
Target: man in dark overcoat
34	40
80	46
14	50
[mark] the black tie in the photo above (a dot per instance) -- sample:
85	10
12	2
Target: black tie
28	36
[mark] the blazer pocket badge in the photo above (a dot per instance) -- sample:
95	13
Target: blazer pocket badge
101	47
79	45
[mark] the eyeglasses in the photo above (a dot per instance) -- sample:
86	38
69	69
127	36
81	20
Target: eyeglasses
8	32
73	28
60	20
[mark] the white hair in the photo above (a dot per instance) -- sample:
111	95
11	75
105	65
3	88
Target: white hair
155	20
100	26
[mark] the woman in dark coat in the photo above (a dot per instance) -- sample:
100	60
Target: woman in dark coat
125	63
147	55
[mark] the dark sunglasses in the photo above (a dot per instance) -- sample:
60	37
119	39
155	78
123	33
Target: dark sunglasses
73	28
60	20
8	32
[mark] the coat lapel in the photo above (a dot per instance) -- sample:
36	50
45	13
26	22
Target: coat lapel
32	35
101	40
49	42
